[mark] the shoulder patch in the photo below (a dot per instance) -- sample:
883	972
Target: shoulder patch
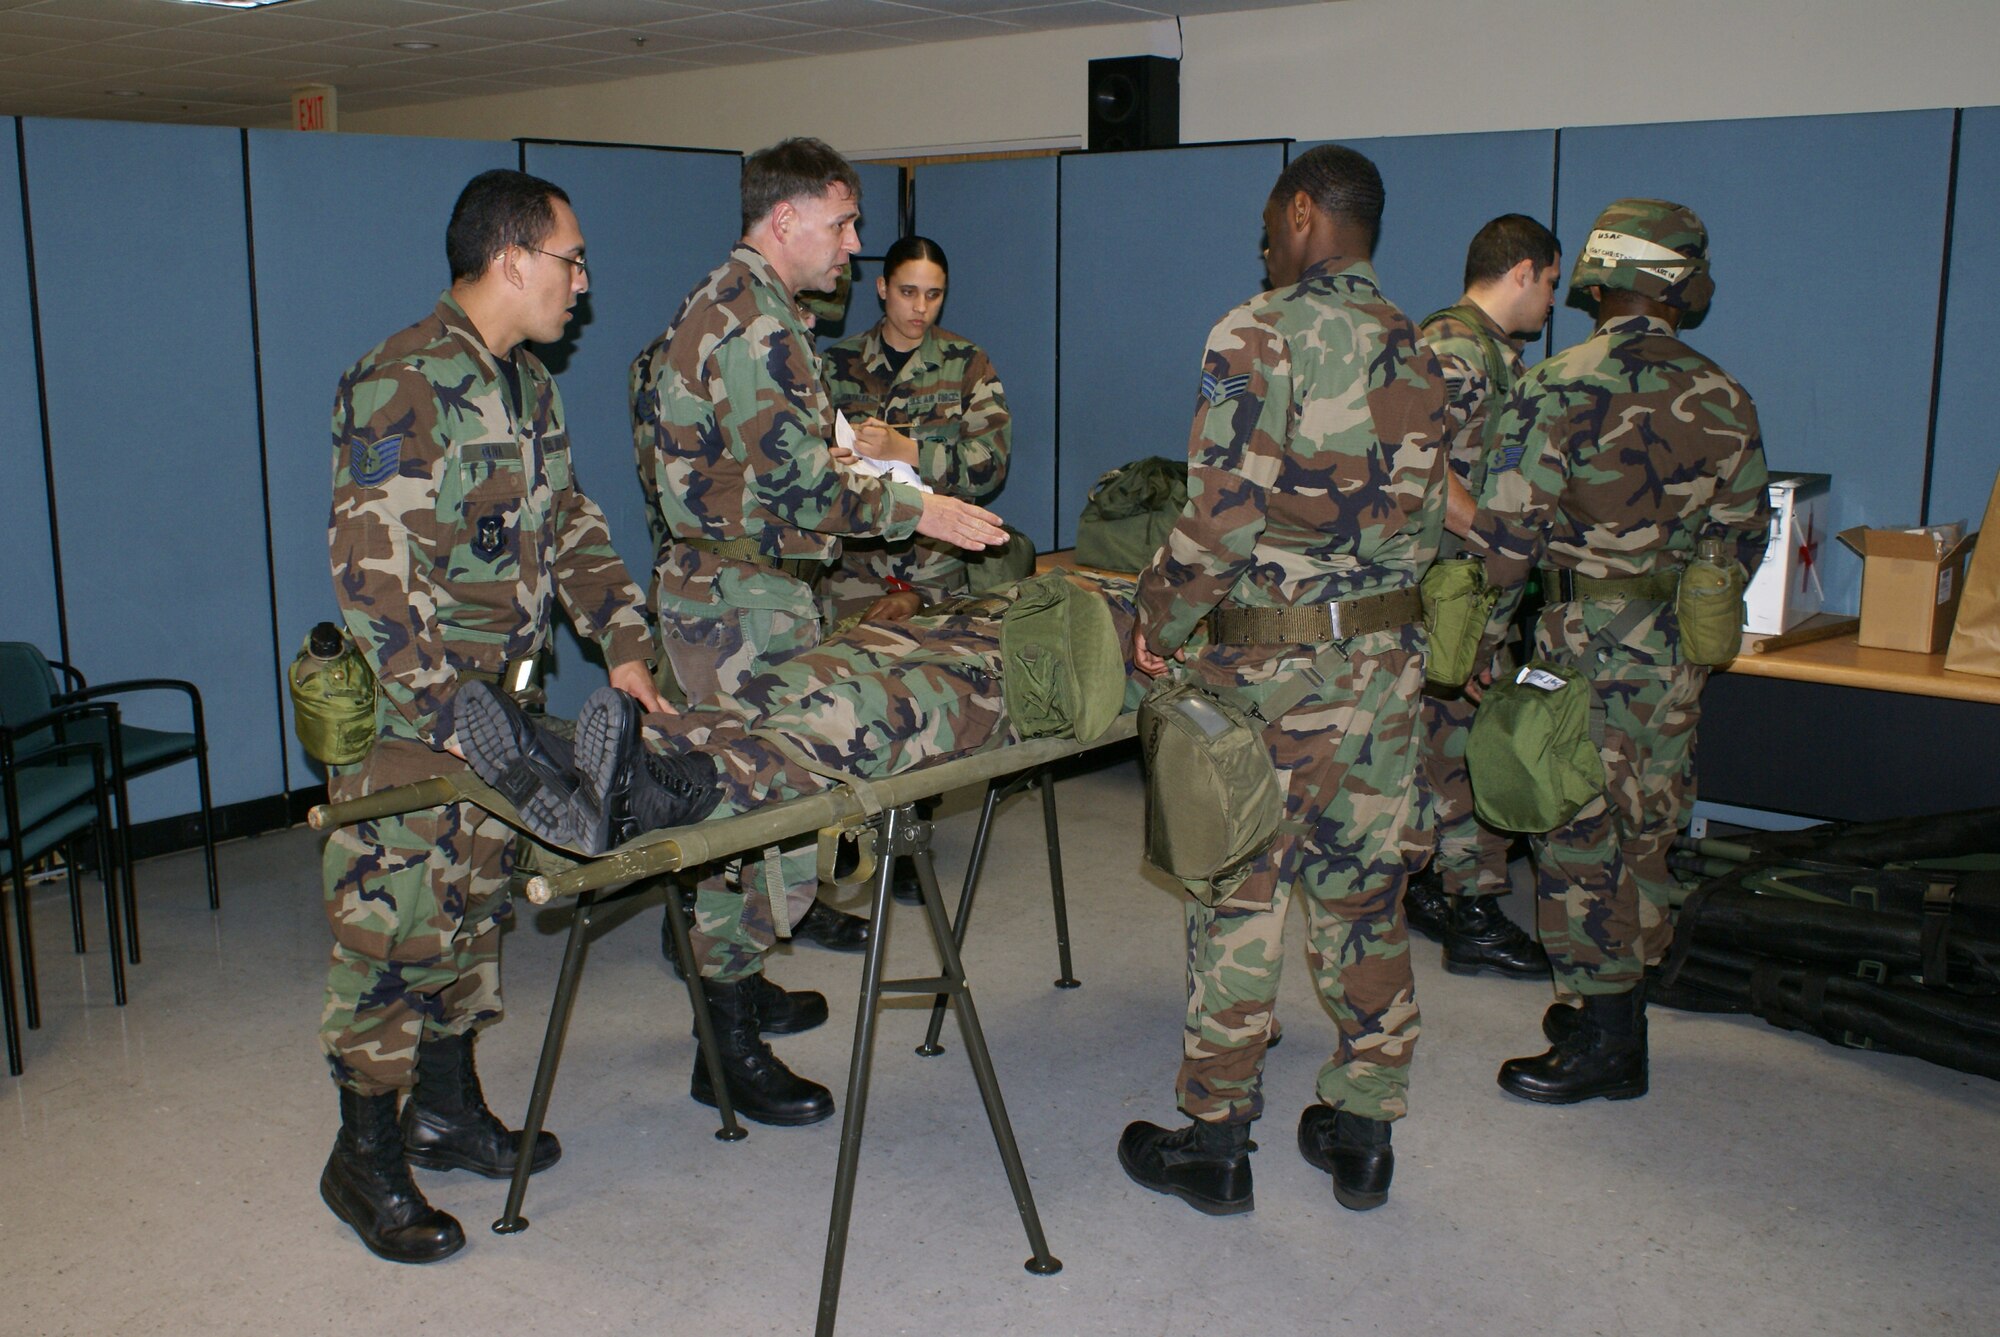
1506	458
1215	389
370	463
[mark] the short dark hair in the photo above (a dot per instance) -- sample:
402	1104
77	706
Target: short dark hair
789	170
498	209
911	248
1343	183
1506	242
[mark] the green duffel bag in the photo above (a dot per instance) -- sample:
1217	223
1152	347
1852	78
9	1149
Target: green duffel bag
1130	512
1530	753
1457	602
1213	801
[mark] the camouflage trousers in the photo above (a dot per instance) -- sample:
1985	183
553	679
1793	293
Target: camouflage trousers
716	635
1471	857
1601	879
1355	813
415	903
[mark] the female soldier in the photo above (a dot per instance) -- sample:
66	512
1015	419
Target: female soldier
924	396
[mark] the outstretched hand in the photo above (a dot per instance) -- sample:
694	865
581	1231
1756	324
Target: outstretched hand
633	679
959	523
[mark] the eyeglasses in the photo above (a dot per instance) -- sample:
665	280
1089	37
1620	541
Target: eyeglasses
582	266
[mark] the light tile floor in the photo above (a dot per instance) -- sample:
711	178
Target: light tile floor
158	1164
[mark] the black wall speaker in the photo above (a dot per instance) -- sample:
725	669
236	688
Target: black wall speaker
1135	103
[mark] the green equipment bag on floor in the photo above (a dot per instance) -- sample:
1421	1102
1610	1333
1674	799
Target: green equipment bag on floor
1130	512
1530	753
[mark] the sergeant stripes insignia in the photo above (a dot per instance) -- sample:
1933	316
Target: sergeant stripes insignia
1506	458
371	463
1215	388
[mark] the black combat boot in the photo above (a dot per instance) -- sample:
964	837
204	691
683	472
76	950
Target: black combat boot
1605	1055
628	789
835	930
532	767
783	1011
1353	1149
1562	1019
367	1184
446	1125
1478	934
760	1086
1425	904
1205	1165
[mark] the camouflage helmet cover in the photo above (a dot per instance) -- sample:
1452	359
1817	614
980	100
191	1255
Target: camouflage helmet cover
1652	247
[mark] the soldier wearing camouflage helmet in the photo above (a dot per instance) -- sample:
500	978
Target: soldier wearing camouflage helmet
1512	268
734	435
1315	502
1606	466
457	524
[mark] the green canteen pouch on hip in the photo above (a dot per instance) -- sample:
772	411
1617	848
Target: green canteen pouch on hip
1708	605
1530	753
333	700
1457	602
1213	800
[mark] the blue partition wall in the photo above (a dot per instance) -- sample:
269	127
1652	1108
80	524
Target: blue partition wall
997	224
142	267
320	306
27	559
1825	235
655	222
1438	190
1156	247
1968	445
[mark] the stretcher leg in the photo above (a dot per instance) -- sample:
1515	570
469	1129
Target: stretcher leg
511	1221
704	1027
1045	777
899	832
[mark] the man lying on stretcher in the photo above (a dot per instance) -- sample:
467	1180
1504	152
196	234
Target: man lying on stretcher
1047	657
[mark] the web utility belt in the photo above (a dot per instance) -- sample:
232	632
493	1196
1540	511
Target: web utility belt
1319	623
806	569
1565	586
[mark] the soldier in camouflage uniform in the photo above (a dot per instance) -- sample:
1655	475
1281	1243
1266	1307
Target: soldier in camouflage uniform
1315	502
931	399
927	397
456	526
1511	271
1606	465
733	434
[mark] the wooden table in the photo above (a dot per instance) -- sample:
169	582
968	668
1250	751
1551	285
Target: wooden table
1844	662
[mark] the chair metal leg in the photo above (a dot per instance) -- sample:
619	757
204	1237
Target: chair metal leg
76	933
121	847
704	1024
10	1020
1047	780
207	824
111	933
511	1221
25	934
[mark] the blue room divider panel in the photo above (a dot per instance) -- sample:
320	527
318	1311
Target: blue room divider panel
1439	190
1156	247
27	558
881	206
997	223
1825	234
1968	447
339	268
144	279
655	222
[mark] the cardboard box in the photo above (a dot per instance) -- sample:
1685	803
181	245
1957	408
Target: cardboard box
1910	583
1786	589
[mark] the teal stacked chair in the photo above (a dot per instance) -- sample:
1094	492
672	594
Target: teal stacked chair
140	751
54	790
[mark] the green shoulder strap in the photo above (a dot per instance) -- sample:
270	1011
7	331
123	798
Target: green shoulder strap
1499	370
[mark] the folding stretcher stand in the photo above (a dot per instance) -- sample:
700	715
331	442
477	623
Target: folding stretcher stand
881	817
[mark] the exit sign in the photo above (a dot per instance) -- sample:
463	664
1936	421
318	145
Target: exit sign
313	108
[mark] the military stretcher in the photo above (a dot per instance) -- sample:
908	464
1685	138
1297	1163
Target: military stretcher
876	821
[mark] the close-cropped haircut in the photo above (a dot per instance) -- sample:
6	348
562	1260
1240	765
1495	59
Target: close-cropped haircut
498	209
1505	242
789	170
911	248
1343	183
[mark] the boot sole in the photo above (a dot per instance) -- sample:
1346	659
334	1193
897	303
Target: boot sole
1480	967
333	1205
424	1161
1205	1205
1359	1202
488	735
1627	1092
769	1120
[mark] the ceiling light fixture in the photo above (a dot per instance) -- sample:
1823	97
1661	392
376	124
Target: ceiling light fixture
232	4
122	92
416	46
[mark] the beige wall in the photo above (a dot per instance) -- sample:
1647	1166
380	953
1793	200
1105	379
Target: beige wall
1346	68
